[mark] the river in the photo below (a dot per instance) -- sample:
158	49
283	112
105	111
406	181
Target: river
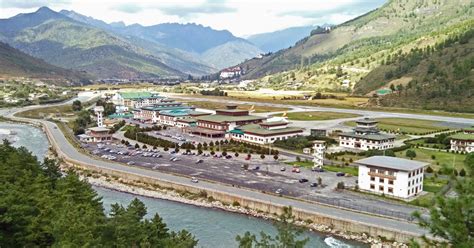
213	228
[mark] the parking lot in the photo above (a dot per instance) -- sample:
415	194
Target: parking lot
265	175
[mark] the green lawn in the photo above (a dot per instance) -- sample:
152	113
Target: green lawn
346	169
408	126
446	158
318	116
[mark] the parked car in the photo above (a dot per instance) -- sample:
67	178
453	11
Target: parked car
303	180
296	170
340	174
228	157
131	163
256	168
279	191
317	169
283	169
312	185
199	161
194	180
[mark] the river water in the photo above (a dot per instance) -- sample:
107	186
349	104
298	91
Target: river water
214	228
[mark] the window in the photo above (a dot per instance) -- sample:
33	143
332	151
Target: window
372	178
380	180
390	182
373	170
372	186
381	188
409	183
390	190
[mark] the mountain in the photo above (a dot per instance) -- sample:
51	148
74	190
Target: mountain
14	63
65	42
176	37
437	77
230	53
277	40
359	45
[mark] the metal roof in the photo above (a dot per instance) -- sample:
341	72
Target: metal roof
392	163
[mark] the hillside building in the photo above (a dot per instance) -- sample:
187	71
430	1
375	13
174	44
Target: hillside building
230	72
396	177
366	136
96	135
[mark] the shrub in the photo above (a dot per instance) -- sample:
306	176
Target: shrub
340	185
429	169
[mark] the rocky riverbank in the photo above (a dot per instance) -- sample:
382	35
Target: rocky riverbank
204	201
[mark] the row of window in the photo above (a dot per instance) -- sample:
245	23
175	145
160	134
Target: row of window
415	172
382	171
382	180
415	181
382	188
414	190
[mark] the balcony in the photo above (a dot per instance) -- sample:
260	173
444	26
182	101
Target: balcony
374	174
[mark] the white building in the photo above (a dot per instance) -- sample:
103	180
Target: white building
99	111
265	132
366	136
136	99
319	147
396	177
464	141
231	72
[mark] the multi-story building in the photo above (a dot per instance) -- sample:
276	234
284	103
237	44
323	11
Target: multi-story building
391	176
136	99
223	121
171	117
265	132
366	136
151	113
230	72
463	141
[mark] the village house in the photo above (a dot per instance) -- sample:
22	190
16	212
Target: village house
396	177
463	141
366	136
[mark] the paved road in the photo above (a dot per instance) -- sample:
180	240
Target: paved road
366	113
69	150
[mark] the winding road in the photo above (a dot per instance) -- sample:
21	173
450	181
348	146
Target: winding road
69	151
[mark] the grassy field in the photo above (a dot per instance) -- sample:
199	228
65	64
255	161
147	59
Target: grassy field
346	169
318	116
440	158
408	126
55	111
218	105
348	103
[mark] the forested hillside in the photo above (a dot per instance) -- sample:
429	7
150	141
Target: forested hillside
14	63
39	207
436	77
360	45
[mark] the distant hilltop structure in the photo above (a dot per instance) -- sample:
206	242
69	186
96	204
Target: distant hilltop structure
231	72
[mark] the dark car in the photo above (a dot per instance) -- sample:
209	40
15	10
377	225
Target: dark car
228	157
340	174
313	185
199	161
256	168
317	169
303	180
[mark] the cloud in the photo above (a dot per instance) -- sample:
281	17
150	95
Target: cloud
28	4
208	7
128	8
351	8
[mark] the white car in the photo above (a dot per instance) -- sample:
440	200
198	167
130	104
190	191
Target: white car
194	180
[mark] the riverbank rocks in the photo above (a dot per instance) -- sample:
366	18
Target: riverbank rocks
145	190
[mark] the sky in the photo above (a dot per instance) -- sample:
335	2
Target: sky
241	17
